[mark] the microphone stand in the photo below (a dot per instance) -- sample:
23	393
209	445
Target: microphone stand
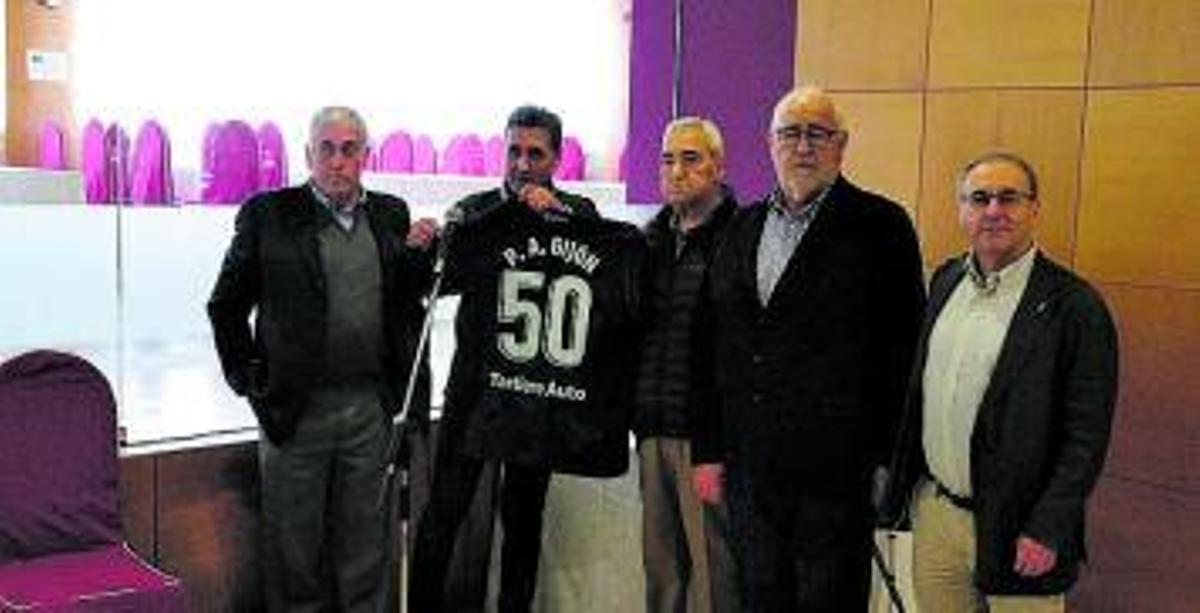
396	469
889	577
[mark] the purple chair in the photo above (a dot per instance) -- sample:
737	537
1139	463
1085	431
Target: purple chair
424	156
208	151
152	181
272	158
396	153
94	163
571	161
464	156
61	544
372	156
116	163
494	156
234	175
51	153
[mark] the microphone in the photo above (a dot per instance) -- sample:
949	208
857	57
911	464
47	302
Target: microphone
451	222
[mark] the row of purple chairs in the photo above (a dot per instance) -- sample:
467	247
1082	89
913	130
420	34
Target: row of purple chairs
465	154
237	160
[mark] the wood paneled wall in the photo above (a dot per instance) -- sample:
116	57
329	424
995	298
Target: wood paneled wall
30	25
1103	96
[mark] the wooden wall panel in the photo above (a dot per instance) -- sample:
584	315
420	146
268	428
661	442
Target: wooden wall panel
30	25
1142	544
884	152
1041	125
208	525
1156	435
1140	222
1011	43
138	504
862	44
1135	42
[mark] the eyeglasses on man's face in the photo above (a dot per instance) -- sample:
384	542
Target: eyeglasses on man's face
815	135
326	149
981	198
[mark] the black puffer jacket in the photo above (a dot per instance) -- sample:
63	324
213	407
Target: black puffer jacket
678	341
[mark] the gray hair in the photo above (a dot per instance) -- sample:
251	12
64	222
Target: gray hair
1001	156
712	134
333	114
815	99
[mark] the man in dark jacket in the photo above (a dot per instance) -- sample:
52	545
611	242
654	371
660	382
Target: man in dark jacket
817	297
336	299
1009	410
684	546
468	436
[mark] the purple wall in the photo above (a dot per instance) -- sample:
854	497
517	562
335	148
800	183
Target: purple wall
736	63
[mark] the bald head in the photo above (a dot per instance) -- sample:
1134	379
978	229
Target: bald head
811	103
807	138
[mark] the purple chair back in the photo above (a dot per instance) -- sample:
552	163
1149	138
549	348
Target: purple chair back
58	457
116	148
208	151
464	156
494	155
272	157
424	156
372	156
94	163
571	161
234	175
152	181
51	153
396	153
61	547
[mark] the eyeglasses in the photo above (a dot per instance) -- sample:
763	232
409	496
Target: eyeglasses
813	134
327	149
980	198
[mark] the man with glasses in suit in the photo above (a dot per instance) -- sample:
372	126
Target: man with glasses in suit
817	296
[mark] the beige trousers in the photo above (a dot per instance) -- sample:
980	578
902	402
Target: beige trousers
685	552
944	563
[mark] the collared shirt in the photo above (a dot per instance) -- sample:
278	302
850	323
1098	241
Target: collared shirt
963	348
781	233
344	215
681	235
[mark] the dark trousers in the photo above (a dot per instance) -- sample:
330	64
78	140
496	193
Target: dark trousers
326	513
522	499
798	553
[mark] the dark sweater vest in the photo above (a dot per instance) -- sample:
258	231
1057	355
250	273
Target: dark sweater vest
354	307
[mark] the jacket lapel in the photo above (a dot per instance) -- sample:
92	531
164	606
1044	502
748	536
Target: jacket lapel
748	264
301	219
822	229
1023	331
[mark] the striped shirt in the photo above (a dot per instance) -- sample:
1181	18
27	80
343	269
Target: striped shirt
781	232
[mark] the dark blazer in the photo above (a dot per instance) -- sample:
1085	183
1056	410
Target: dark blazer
811	386
273	268
1042	429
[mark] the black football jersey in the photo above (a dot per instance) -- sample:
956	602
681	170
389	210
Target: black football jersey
546	334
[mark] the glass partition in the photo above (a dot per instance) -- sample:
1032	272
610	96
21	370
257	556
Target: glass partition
126	288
